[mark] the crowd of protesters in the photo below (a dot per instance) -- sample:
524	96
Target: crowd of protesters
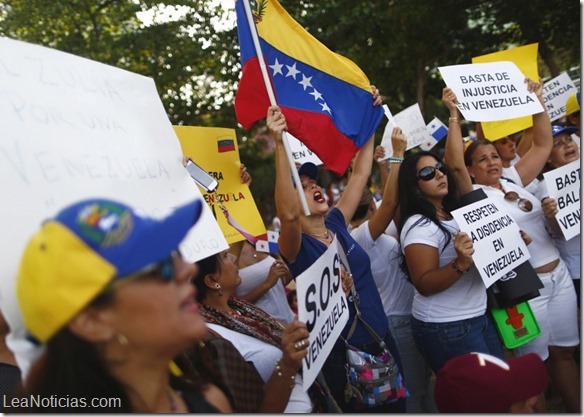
124	316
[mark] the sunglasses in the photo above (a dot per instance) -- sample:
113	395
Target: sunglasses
164	269
523	203
428	173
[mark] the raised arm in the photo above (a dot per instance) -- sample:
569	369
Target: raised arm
388	207
535	158
383	167
361	172
287	207
454	149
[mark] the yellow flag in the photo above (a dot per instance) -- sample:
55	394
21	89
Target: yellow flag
526	59
215	150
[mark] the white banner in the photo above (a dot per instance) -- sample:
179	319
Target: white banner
72	129
555	93
563	184
491	91
322	305
498	246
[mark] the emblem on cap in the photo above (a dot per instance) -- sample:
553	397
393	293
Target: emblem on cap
105	224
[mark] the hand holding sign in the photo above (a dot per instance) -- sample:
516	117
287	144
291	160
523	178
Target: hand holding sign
294	349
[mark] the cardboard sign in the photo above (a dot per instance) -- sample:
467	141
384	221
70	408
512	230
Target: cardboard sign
413	126
563	184
498	246
491	91
216	151
322	305
525	57
73	129
555	93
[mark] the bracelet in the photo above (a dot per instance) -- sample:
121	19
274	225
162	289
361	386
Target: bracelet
453	119
395	160
455	266
281	375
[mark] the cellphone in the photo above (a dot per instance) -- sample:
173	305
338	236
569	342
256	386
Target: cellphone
201	177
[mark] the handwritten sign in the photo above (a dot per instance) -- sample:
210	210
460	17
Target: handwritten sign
72	129
413	126
322	305
216	151
563	185
300	152
491	91
525	57
498	246
555	93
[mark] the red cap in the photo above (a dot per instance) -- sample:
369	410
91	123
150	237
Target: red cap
481	383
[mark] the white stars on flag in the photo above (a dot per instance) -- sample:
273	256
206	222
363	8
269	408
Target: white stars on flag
305	82
292	71
277	67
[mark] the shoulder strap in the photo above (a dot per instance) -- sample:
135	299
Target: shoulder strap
356	301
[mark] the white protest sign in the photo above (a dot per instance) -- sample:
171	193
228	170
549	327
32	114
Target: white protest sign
413	126
498	246
300	152
491	91
555	93
563	184
72	129
322	305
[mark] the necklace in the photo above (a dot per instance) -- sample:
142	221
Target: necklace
320	235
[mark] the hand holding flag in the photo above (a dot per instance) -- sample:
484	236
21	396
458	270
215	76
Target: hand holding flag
325	97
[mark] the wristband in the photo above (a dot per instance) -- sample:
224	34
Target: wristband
395	160
453	119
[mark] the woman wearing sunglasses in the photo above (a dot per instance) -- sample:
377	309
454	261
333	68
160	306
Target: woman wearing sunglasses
449	307
555	308
107	292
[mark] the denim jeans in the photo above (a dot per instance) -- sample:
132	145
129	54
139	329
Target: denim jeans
417	374
438	342
335	374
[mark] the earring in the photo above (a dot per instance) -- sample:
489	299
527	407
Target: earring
219	288
120	355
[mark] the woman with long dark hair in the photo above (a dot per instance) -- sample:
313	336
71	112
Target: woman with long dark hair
450	302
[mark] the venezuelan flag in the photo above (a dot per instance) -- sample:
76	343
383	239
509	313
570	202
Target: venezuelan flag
325	97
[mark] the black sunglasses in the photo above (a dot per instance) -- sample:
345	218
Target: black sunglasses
428	173
164	269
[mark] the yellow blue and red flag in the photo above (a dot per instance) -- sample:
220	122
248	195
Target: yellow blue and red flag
326	98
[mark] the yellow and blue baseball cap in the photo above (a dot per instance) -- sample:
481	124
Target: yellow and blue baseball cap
573	104
72	258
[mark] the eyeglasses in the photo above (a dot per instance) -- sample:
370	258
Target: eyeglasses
523	203
164	269
428	173
563	140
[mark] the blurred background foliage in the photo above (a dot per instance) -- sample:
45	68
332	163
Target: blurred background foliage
190	49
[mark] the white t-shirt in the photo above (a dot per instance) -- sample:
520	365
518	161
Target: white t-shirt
394	288
274	301
264	357
512	174
466	298
541	248
569	250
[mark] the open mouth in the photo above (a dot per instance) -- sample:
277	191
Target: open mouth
318	197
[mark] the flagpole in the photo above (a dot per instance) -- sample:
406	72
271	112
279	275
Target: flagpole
272	97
